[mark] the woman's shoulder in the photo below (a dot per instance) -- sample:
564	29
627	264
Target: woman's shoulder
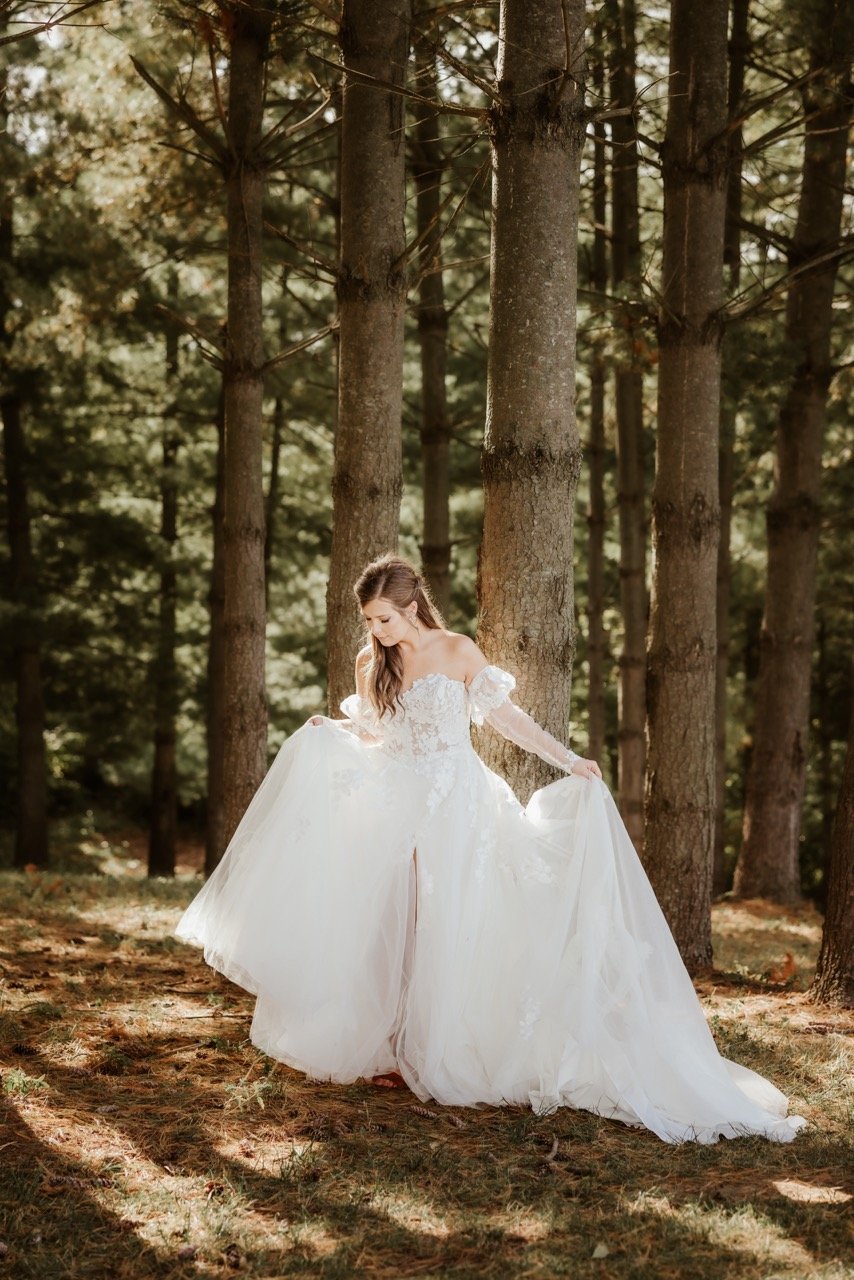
462	654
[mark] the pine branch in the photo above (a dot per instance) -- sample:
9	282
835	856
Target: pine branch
181	108
59	20
376	82
299	346
280	132
209	348
307	252
736	310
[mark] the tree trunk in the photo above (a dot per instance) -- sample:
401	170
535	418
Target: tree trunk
428	168
31	830
273	492
597	642
738	50
680	801
366	484
768	863
215	837
164	780
531	454
834	978
824	729
244	742
631	487
31	833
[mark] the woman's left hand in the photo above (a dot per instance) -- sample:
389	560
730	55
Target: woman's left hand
587	769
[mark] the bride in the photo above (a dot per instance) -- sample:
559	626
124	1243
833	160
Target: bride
394	908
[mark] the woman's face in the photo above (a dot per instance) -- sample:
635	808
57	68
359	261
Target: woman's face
386	622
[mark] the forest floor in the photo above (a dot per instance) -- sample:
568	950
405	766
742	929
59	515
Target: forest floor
145	1137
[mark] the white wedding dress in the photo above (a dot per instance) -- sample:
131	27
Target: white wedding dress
393	906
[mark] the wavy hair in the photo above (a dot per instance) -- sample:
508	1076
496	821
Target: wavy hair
394	579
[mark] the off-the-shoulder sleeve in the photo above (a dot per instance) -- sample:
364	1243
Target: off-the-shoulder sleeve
487	690
362	715
489	699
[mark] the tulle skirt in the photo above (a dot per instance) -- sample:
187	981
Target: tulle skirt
490	953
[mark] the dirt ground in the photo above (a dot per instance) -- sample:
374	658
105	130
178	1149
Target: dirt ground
144	1136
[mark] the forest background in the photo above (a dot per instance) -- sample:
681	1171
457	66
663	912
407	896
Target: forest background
565	315
150	149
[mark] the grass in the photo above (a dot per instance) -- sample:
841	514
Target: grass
145	1137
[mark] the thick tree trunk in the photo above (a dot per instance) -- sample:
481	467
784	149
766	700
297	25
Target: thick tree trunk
428	168
31	831
366	483
531	454
768	862
215	837
680	801
245	711
597	642
738	50
834	978
164	778
631	487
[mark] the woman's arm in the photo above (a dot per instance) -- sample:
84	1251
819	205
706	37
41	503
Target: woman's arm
517	726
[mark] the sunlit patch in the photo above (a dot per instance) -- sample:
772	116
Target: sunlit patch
744	1229
810	1192
521	1224
411	1213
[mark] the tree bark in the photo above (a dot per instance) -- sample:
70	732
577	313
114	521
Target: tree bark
244	729
164	780
531	453
428	165
680	800
768	864
834	978
273	492
597	642
738	50
31	829
631	486
215	837
366	484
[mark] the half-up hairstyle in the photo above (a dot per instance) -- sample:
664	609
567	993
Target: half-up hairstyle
394	579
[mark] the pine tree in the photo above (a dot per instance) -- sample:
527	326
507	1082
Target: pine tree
531	453
366	485
768	862
681	761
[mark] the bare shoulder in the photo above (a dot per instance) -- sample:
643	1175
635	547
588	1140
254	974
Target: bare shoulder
466	656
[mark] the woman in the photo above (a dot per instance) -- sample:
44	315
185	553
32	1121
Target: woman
395	909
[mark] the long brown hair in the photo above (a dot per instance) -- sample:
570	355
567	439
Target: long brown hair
396	580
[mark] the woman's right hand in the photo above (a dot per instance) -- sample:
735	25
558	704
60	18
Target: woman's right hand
317	719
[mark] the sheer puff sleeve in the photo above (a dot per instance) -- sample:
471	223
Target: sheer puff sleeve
362	718
489	700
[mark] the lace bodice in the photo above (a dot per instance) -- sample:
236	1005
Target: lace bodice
431	723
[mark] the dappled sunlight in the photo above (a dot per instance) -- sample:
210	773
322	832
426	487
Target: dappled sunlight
145	1129
411	1212
763	941
811	1192
743	1229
